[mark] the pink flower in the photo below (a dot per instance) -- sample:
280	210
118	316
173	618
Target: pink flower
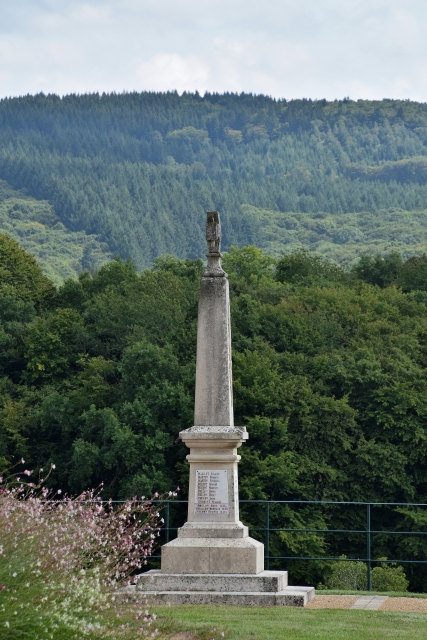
27	473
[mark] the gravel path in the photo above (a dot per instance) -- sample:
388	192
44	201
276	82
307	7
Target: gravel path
410	605
331	602
404	605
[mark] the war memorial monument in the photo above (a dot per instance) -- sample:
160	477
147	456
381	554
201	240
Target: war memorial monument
213	560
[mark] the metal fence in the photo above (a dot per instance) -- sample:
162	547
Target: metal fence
265	531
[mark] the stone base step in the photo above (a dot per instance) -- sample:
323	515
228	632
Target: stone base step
213	556
288	597
265	581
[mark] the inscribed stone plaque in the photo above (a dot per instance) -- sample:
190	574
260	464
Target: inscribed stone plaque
211	491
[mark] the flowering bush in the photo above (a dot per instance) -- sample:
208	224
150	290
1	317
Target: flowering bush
62	559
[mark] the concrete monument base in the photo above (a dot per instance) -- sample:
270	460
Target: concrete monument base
268	588
213	556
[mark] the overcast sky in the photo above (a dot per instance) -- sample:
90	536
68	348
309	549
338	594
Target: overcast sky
284	48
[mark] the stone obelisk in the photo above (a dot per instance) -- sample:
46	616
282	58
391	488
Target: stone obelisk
213	559
213	540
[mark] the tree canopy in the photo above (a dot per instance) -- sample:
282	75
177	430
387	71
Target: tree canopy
330	378
20	275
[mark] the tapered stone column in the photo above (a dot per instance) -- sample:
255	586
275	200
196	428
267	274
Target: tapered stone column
213	540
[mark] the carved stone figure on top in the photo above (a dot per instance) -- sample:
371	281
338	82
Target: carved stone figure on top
213	232
213	236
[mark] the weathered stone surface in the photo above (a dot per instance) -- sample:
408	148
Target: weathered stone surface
266	581
288	597
213	404
216	452
214	432
213	555
210	530
214	395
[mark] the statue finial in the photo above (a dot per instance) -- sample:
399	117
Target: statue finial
213	231
213	236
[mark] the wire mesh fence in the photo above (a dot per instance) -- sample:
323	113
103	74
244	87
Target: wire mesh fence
320	529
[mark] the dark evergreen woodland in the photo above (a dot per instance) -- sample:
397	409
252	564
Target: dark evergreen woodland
138	170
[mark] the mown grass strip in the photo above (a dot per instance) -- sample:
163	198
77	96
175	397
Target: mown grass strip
244	623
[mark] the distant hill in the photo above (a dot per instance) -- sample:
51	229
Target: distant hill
132	174
60	252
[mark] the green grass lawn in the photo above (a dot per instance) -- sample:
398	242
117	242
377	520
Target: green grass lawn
244	623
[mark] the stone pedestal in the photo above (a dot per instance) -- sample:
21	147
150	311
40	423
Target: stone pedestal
213	540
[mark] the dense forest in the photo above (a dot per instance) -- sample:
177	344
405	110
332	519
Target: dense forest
134	171
61	253
330	378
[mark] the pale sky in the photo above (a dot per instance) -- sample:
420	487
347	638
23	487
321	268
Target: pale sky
330	49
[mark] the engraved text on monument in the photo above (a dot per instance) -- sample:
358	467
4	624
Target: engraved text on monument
211	495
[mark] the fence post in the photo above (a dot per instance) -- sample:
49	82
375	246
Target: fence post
167	521
368	544
267	535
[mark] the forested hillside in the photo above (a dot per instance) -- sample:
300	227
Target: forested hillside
138	171
60	252
330	377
